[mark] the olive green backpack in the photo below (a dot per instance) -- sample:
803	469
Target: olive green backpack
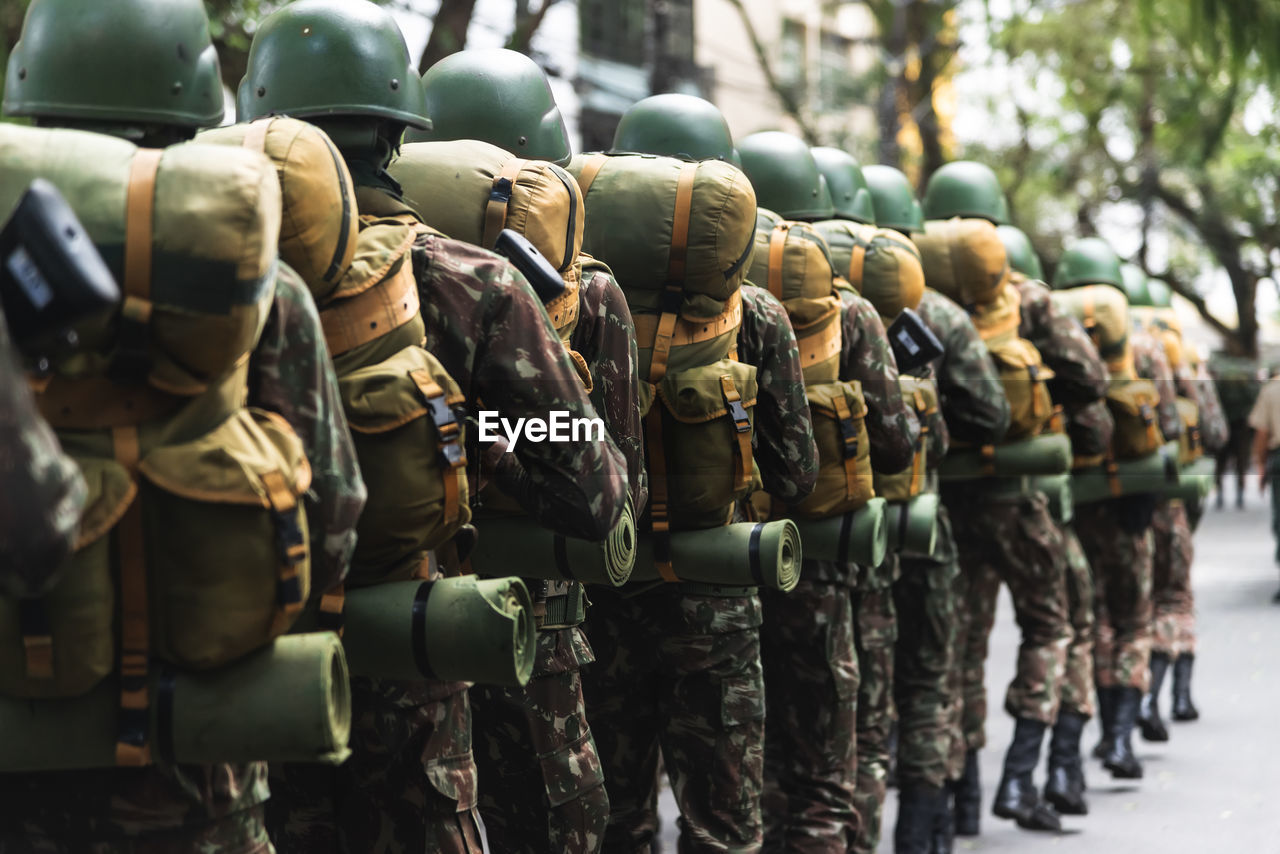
921	394
964	259
1023	374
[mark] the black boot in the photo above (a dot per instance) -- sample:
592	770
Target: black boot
1121	761
1017	797
967	794
918	808
1183	708
1065	788
944	826
1149	720
1106	718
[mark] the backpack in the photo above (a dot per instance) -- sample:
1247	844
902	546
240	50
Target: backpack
1190	445
792	260
1023	374
964	259
872	261
921	393
679	237
193	544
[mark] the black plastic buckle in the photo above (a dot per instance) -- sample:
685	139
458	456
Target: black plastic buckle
850	436
739	414
501	191
671	300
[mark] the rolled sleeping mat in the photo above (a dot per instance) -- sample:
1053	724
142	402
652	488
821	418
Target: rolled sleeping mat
1057	488
744	554
462	629
1039	455
1195	481
288	702
861	536
1154	473
518	544
913	525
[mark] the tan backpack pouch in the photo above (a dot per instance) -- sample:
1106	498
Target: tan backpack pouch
838	411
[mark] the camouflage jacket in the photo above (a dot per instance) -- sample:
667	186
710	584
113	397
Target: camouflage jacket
1150	363
605	338
972	398
865	356
1080	375
1090	428
783	440
1200	387
291	373
489	330
41	490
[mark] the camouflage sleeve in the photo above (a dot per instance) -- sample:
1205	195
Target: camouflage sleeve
605	338
1080	375
973	400
41	490
1151	364
1090	427
291	373
784	445
1213	423
865	356
492	334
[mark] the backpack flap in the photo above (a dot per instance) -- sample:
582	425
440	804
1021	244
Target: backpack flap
1133	405
839	412
1190	447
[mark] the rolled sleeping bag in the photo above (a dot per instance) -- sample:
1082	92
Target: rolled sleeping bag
1049	453
288	702
861	536
1057	488
743	554
1195	481
461	629
912	525
519	544
1154	473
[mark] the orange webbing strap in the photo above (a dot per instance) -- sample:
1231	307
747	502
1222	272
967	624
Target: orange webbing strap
255	135
665	335
132	358
680	223
495	210
922	441
987	453
742	428
590	169
371	314
291	548
332	608
849	438
820	346
1037	400
777	248
1113	475
450	432
857	258
691	331
133	721
659	521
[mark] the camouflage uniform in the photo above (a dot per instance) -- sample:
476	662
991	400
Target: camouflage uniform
678	667
410	785
808	637
208	808
541	785
1077	683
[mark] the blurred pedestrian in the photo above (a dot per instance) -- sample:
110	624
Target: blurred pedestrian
1265	420
1237	386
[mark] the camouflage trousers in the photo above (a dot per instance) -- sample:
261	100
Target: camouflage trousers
1077	684
923	688
876	634
1011	539
1121	558
678	674
811	691
409	786
541	786
1172	600
239	833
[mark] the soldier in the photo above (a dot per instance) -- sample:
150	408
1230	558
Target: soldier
1116	537
812	660
541	784
1004	532
107	70
410	785
1238	386
1264	420
678	670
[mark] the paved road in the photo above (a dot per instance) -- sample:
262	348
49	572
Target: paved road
1215	786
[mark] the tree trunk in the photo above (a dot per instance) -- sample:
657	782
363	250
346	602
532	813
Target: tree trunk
448	32
888	115
527	24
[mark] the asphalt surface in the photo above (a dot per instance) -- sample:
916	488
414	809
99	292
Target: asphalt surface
1215	786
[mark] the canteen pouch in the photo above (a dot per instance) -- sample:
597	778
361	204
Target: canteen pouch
839	413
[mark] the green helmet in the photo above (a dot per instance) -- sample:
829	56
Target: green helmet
848	188
1144	291
498	96
331	58
966	189
893	199
675	125
149	62
1022	255
1090	261
785	176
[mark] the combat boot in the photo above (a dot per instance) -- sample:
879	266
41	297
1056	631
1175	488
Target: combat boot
1106	721
1065	787
918	808
1017	797
944	826
1149	720
1121	760
1183	708
967	794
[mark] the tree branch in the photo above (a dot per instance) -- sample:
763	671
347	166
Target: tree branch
788	98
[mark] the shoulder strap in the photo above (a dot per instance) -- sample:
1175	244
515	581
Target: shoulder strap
495	211
777	248
590	169
857	260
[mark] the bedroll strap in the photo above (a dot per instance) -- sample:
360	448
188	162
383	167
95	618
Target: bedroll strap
450	433
372	313
332	610
291	550
849	439
132	360
777	248
742	431
132	748
590	169
495	210
660	526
